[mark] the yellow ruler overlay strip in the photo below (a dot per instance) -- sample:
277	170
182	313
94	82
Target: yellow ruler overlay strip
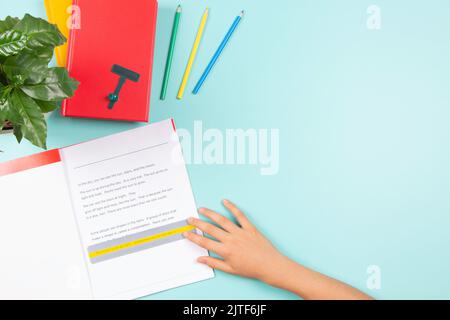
140	241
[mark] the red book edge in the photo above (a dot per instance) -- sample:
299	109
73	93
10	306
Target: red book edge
30	162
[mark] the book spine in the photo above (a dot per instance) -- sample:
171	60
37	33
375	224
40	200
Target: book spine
48	10
152	44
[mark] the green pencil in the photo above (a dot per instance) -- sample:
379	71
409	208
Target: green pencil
173	39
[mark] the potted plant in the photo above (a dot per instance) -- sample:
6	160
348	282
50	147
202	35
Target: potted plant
29	88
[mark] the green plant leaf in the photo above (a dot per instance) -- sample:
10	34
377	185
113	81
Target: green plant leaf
25	68
3	79
40	32
4	92
56	87
3	106
33	126
12	42
11	113
2	89
17	130
47	106
8	23
5	111
45	53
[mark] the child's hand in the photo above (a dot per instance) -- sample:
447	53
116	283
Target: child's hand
244	250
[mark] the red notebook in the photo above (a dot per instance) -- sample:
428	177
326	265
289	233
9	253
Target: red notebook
111	55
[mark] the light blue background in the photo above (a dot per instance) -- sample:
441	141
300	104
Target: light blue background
364	122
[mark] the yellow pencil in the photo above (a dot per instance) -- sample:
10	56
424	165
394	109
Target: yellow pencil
193	54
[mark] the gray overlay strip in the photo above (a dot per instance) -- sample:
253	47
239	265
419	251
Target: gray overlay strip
135	236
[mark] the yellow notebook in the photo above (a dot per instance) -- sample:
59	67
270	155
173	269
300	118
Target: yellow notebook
57	13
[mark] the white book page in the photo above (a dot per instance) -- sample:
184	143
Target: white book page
131	196
41	255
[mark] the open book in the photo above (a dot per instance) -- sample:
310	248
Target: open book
101	219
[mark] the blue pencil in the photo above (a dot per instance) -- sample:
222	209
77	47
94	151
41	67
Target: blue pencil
218	52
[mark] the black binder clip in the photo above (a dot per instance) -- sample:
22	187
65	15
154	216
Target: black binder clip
125	74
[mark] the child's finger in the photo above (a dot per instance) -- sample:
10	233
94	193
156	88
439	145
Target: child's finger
238	214
219	219
215	264
203	242
208	228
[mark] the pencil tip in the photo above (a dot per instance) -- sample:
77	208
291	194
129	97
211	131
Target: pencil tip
179	8
242	13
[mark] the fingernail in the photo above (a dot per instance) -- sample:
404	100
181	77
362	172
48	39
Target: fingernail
226	201
186	234
190	220
201	259
201	210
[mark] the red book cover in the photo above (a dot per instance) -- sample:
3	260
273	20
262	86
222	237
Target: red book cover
111	55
